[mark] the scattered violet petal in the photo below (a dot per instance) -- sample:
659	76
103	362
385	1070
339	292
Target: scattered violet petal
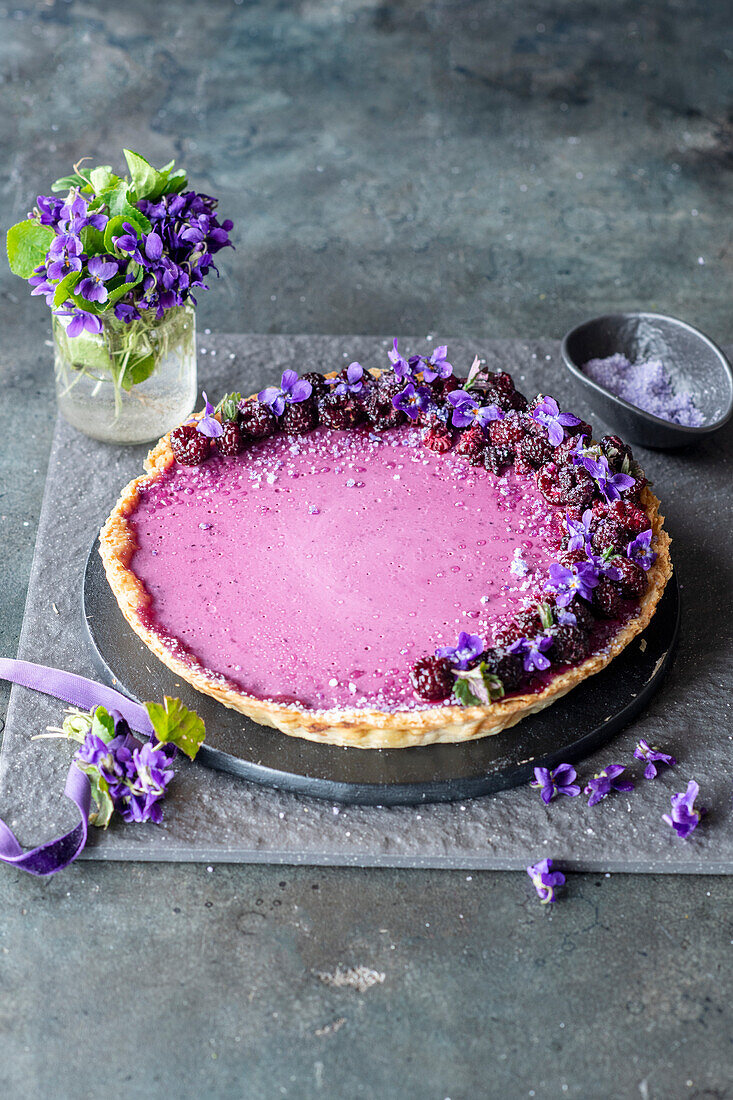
652	756
467	649
685	817
605	781
559	781
545	880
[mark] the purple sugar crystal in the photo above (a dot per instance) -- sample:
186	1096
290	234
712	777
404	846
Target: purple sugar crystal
647	385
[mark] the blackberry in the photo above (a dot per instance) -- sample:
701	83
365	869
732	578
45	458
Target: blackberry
472	444
341	411
443	386
496	459
432	679
571	485
607	599
317	381
230	443
608	534
189	447
535	450
582	613
583	428
378	404
525	624
632	582
633	518
615	451
507	666
299	417
256	421
570	644
438	437
508	432
568	558
563	452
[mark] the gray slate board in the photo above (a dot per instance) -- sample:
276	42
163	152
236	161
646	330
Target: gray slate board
213	817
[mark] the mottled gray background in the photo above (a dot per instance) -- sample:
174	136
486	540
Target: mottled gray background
484	168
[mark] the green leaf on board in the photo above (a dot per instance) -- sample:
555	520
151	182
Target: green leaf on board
175	724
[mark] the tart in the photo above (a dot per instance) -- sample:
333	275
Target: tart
384	559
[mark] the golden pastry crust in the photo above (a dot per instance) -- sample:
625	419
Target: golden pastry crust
366	729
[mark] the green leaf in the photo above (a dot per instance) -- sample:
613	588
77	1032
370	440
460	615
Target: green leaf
27	244
175	724
103	725
101	795
102	178
144	179
92	241
115	228
138	370
65	287
118	203
176	182
67	182
477	686
228	406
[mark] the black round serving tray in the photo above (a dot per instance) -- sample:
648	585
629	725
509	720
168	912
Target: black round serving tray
567	731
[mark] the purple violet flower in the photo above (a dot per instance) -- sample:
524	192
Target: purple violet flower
640	550
610	485
401	366
467	411
533	652
652	756
565	617
128	242
49	209
579	530
578	580
291	390
412	400
353	383
64	258
147	785
41	285
437	366
467	649
605	781
92	288
80	322
544	880
559	781
548	413
685	818
113	759
208	425
125	312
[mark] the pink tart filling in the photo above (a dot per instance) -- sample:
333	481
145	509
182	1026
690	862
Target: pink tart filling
315	570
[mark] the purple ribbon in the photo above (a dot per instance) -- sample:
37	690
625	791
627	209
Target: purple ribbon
86	694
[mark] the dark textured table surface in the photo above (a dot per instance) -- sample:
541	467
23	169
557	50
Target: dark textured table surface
485	168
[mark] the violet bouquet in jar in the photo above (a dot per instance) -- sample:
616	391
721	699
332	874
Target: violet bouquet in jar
119	260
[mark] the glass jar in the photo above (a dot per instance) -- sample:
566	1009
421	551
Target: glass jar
131	383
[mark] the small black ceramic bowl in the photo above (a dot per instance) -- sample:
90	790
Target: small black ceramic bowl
693	362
